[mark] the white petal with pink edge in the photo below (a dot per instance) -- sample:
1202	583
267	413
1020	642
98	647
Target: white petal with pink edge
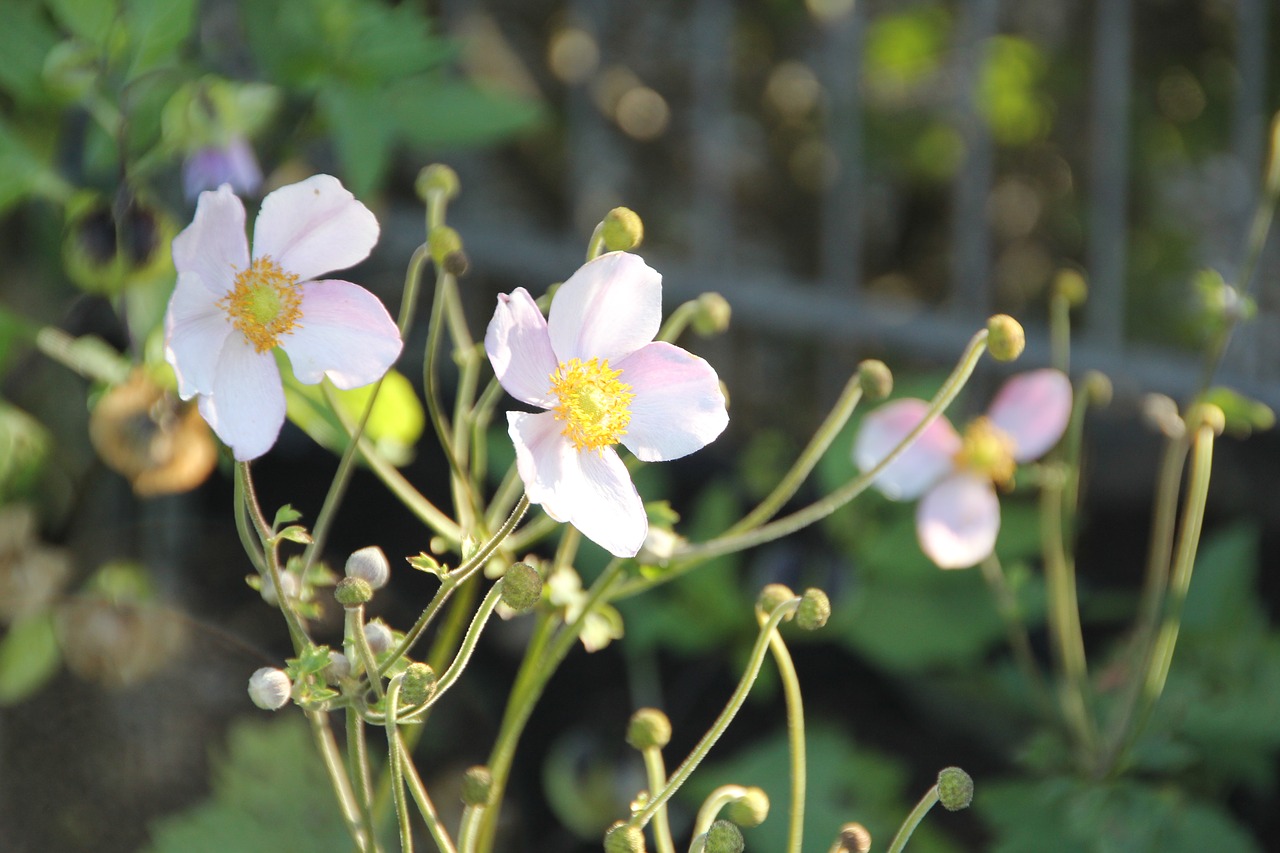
957	521
1033	408
345	333
246	408
592	491
195	331
314	227
678	406
922	464
608	309
520	349
214	246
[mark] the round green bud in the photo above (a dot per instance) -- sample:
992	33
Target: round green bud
750	809
1207	415
955	789
649	728
1005	338
622	230
477	785
437	178
814	609
419	683
1097	386
713	315
876	379
723	837
445	245
624	838
521	587
270	688
773	595
371	564
854	838
1071	286
353	592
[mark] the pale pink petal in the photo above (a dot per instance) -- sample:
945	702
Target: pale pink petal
1033	408
608	309
314	227
957	521
195	329
214	246
922	464
520	350
246	408
345	334
678	406
590	490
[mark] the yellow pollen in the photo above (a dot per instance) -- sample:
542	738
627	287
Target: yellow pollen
988	450
264	304
594	405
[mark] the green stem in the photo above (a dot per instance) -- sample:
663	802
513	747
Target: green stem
358	767
913	820
678	321
338	777
595	246
395	762
248	498
712	805
795	735
88	355
358	648
656	773
425	807
1016	631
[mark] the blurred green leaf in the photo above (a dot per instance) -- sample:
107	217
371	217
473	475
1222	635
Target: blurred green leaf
450	113
1009	97
90	20
270	792
362	135
25	446
394	426
157	28
25	41
29	657
22	173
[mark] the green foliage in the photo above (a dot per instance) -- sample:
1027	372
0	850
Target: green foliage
29	657
394	426
270	792
25	39
25	446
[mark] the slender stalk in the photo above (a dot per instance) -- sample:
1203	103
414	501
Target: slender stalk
712	805
656	773
795	735
249	500
595	246
425	807
338	777
1016	632
358	648
395	762
913	820
358	767
677	321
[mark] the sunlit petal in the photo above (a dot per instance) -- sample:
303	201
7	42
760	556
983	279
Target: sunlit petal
957	521
314	227
927	460
345	334
678	406
214	246
1033	408
195	330
246	408
608	309
520	350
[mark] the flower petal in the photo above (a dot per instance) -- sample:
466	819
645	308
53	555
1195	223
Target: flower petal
520	350
608	309
922	464
678	406
314	227
957	521
246	408
345	334
195	330
213	246
1033	408
591	491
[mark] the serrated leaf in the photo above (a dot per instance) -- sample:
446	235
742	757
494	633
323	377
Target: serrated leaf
295	533
29	657
285	515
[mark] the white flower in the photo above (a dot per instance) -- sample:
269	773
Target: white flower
594	366
230	309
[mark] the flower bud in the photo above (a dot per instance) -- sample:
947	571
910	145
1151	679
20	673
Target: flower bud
1208	415
723	837
1005	338
624	838
1097	386
713	315
352	592
521	587
1071	286
446	249
854	838
437	178
773	595
955	789
477	785
339	666
269	688
814	609
750	809
622	230
1162	413
378	636
876	379
649	728
419	683
370	564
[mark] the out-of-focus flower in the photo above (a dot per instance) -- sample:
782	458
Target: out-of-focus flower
32	574
230	309
212	166
600	627
594	366
958	516
107	248
160	444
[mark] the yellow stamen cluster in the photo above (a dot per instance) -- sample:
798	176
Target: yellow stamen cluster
264	304
594	405
988	450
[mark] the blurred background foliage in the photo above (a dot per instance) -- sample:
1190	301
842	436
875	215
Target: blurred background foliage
129	632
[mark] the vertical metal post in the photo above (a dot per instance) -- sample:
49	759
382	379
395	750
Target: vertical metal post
840	63
711	120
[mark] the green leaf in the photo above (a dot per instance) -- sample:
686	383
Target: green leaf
22	173
285	515
25	41
90	20
25	447
295	533
29	657
394	426
157	28
362	135
440	113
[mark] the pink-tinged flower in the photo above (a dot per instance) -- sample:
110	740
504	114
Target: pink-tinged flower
603	380
231	163
230	308
955	477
